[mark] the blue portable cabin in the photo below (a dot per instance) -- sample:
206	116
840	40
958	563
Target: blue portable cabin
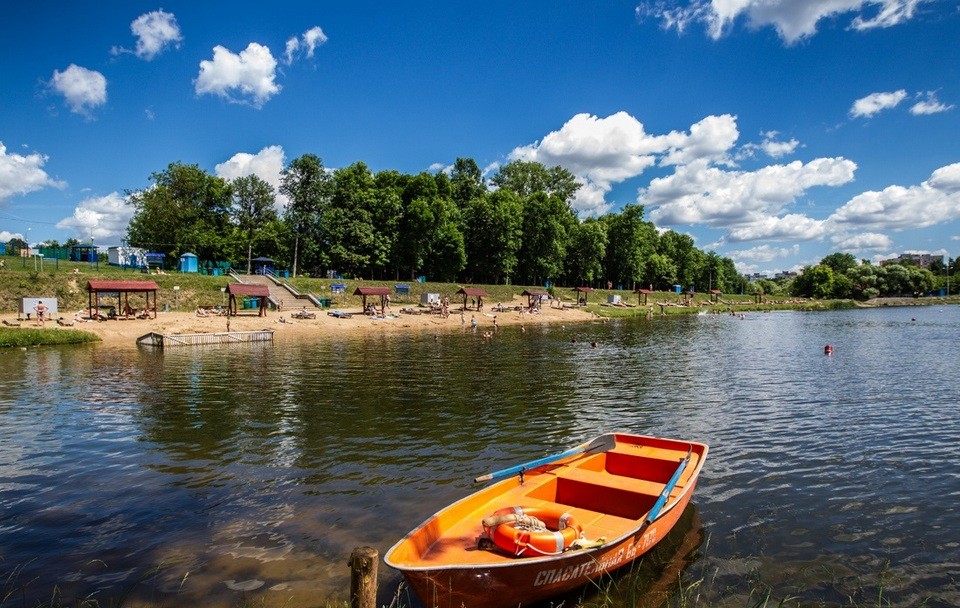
189	263
84	252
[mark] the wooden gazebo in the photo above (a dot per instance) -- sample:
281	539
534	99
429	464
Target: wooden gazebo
261	292
472	292
645	293
122	291
534	294
582	290
715	295
364	292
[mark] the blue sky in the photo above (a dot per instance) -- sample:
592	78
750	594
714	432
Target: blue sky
773	131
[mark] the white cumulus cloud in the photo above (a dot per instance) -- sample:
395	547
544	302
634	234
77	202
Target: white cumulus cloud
602	152
747	203
793	20
155	31
22	174
306	42
934	201
876	102
862	242
762	253
930	105
771	146
83	89
247	77
267	164
103	217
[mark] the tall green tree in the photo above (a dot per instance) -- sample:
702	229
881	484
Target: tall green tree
527	178
839	262
253	206
587	252
16	245
631	243
547	221
466	183
493	231
447	253
361	222
307	185
186	209
661	271
814	282
686	257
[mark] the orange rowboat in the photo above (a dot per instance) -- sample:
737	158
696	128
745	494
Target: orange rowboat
560	522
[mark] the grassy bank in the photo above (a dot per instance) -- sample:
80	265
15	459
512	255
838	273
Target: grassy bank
24	336
66	281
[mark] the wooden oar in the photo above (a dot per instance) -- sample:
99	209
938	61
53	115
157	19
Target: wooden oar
662	500
600	444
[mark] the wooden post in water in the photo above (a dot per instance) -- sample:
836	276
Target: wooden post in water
363	577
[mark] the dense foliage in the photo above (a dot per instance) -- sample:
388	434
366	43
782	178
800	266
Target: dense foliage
841	276
520	228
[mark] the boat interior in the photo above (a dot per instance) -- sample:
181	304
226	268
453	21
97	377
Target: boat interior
608	493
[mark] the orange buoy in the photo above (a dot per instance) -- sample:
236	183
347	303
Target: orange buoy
509	529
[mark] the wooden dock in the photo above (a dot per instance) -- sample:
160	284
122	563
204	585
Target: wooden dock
230	337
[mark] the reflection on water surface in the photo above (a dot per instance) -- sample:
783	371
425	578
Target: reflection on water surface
260	467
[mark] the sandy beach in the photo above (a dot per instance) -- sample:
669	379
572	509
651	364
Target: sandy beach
122	332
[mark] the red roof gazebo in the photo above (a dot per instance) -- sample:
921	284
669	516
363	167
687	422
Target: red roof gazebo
472	292
645	293
585	291
122	289
532	294
363	292
262	292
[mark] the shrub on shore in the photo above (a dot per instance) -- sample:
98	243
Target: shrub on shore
22	336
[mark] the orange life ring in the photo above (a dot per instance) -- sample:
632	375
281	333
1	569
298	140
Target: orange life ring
562	530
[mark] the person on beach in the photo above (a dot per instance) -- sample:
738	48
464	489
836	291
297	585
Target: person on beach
41	310
473	322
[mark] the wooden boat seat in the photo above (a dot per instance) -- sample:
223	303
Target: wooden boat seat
610	483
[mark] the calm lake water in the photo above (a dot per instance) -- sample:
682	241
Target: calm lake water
200	476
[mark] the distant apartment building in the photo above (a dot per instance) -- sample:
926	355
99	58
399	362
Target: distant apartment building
923	260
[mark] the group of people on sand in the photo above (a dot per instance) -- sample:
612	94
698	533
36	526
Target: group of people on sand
207	312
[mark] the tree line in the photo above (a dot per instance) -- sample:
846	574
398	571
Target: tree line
841	276
519	228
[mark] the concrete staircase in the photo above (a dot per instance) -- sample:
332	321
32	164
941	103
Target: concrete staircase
281	294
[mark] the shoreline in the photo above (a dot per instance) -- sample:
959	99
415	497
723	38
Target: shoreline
124	332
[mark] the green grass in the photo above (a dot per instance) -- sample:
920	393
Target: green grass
25	336
67	281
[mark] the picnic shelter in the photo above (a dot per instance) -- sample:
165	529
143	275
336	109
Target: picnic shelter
364	292
250	290
121	290
472	292
535	297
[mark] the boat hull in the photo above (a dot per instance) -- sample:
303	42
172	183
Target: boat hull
457	575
